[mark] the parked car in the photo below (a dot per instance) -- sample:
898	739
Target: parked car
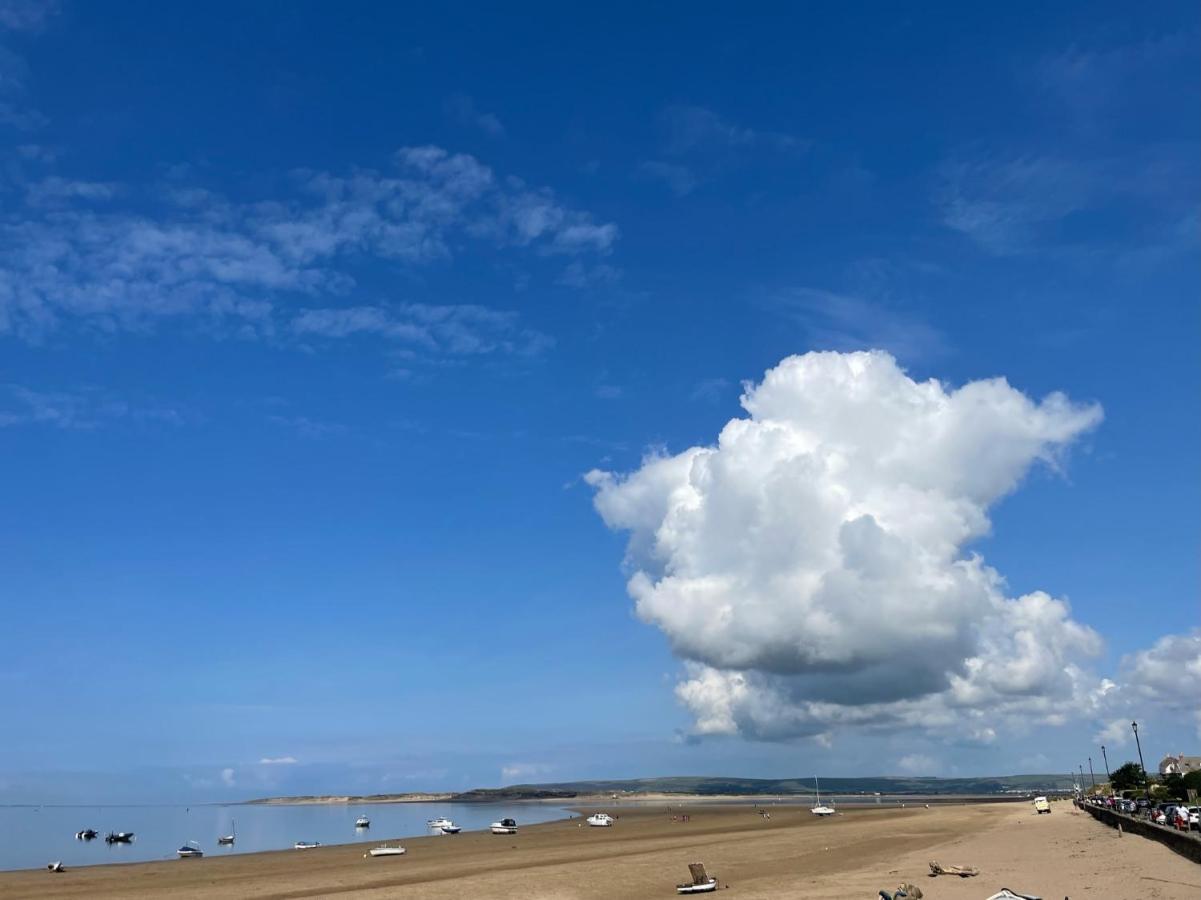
1194	818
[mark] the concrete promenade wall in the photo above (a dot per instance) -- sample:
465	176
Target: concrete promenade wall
1185	843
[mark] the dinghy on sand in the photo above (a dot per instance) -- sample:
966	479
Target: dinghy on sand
702	882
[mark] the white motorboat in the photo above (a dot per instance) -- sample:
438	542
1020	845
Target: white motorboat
190	849
362	822
504	826
600	820
386	851
439	823
452	828
306	845
820	809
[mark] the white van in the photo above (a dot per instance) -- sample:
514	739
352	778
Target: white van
1041	805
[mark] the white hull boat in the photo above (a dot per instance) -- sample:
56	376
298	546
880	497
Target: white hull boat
385	850
440	823
362	822
452	828
600	820
504	826
306	845
706	887
820	809
189	850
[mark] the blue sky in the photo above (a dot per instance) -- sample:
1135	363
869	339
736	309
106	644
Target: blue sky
313	322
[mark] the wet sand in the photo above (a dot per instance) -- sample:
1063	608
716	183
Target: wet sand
1066	854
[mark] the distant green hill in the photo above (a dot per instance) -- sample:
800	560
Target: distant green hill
706	785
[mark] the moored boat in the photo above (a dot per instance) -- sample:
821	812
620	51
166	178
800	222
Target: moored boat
439	823
702	882
820	809
119	837
306	845
600	820
452	828
385	850
190	849
504	826
87	834
362	822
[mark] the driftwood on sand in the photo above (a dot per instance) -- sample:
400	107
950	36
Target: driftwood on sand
937	868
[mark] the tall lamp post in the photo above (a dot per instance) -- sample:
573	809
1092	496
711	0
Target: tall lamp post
1141	765
1081	768
1105	757
1091	777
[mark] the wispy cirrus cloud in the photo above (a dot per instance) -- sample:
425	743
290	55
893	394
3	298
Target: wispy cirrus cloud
278	761
837	321
456	330
27	15
463	110
73	258
691	128
77	409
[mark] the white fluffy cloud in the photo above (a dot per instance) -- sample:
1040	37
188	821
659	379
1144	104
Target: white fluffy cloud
810	568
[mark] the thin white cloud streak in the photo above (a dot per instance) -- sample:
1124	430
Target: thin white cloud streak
278	761
79	409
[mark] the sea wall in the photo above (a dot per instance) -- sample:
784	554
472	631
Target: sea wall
1185	843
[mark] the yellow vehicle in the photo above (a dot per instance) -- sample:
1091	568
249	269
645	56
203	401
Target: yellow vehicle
1041	805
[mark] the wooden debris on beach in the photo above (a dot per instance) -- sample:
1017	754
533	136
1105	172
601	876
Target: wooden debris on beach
936	868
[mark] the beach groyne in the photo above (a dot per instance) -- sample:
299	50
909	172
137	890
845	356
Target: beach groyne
1185	843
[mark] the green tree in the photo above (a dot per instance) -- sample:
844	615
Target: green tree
1126	777
1173	786
1192	781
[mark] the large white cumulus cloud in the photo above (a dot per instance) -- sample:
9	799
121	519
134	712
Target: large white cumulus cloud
810	567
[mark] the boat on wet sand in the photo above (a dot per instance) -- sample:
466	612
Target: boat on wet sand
600	820
702	882
504	826
385	850
306	845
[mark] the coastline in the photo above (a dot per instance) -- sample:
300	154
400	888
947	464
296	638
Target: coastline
646	852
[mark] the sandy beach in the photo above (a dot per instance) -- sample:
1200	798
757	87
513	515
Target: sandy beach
1066	854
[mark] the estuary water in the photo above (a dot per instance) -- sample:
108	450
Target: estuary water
32	836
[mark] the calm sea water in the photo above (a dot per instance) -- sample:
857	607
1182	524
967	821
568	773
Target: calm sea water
32	836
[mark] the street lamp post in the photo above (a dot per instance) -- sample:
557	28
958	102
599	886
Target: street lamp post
1081	768
1091	777
1141	765
1106	758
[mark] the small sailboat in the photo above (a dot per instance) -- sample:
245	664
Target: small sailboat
362	822
504	826
820	809
702	882
189	850
385	850
228	839
600	820
119	837
306	845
